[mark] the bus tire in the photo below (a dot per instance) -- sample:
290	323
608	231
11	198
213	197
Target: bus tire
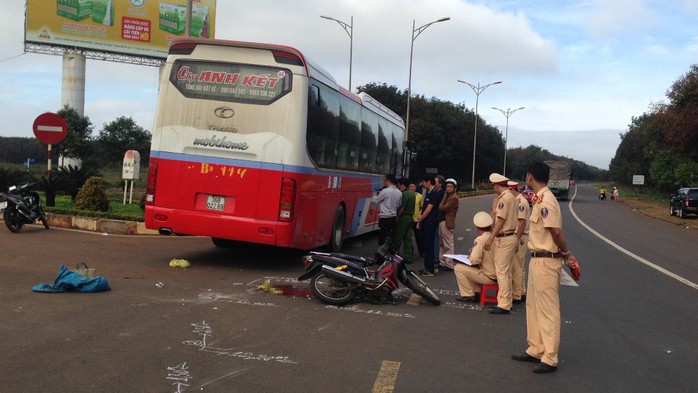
337	236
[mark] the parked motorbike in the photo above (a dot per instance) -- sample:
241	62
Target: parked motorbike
22	206
338	279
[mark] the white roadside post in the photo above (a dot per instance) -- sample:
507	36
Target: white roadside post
130	172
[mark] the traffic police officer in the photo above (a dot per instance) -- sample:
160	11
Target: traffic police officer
548	249
518	272
503	241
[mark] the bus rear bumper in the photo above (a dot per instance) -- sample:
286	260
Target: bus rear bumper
273	233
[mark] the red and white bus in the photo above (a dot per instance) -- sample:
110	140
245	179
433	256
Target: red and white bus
255	143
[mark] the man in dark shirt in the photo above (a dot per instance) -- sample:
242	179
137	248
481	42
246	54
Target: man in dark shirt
429	222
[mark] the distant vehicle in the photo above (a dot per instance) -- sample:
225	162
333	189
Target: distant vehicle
572	182
528	194
559	181
683	202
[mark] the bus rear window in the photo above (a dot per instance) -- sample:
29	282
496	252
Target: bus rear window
252	84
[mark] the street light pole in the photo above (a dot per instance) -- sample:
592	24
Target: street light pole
507	113
477	89
415	33
349	28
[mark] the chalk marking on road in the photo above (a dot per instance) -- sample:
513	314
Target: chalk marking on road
385	381
205	331
628	253
180	374
358	310
234	373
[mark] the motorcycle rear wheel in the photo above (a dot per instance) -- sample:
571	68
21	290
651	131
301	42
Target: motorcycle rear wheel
420	288
12	220
331	290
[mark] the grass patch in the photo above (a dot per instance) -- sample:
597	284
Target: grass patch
117	210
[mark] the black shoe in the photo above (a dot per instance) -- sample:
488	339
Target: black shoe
543	368
525	357
517	301
467	299
498	310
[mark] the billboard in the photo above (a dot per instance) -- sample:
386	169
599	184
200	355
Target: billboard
133	27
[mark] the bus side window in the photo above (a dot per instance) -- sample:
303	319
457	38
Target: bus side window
383	156
313	137
349	134
369	128
398	142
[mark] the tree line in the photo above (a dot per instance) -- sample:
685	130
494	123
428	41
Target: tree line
106	149
441	136
662	143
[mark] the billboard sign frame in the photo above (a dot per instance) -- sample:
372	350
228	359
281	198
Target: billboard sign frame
141	28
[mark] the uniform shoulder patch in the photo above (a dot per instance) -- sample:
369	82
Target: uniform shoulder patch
544	212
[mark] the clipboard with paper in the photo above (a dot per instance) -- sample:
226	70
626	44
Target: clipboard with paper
461	258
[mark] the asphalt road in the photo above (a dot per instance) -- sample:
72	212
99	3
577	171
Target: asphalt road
627	327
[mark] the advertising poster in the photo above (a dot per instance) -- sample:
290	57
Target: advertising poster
135	27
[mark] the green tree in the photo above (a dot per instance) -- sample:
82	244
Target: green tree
78	141
121	135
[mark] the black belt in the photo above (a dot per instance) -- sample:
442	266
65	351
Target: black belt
505	234
546	254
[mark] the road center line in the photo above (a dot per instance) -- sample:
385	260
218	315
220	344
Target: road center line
628	253
385	381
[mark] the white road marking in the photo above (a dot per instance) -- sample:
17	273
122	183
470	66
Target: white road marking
628	253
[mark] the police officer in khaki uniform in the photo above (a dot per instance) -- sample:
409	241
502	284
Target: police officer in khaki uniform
548	250
503	241
518	272
471	278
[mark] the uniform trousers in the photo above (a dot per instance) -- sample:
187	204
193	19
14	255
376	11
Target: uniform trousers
446	243
504	248
518	272
543	309
429	230
403	236
470	279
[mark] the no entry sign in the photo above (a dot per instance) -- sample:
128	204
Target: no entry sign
50	128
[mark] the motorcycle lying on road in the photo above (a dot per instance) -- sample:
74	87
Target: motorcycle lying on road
338	279
22	206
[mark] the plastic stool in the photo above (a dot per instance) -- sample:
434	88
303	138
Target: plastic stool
483	294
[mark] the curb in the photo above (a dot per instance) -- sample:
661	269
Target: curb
103	225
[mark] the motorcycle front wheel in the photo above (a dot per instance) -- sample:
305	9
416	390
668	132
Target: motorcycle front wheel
12	220
331	290
420	288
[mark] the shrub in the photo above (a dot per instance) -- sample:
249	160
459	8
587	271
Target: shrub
11	177
73	178
92	196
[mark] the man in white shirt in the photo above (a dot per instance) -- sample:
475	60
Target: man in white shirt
389	200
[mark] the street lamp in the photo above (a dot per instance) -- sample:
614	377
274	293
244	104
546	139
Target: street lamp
415	33
507	113
477	89
349	28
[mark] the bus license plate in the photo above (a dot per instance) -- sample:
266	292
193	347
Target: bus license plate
214	202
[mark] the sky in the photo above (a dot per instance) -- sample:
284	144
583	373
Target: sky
581	69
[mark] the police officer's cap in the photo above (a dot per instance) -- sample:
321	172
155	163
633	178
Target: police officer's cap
482	220
452	181
496	178
513	184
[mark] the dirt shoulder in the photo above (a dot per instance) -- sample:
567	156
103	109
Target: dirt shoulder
660	212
